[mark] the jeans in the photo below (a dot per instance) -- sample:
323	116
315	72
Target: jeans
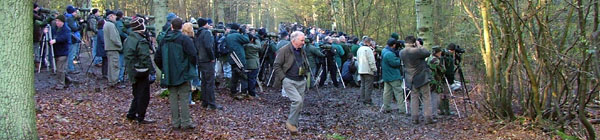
196	81
73	52
121	67
252	81
97	59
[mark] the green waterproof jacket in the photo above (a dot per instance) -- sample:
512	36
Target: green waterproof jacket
136	51
312	53
391	65
354	49
339	54
121	28
252	59
176	57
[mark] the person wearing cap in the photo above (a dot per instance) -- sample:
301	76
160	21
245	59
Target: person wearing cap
177	58
283	35
92	31
204	43
366	69
112	47
437	83
61	42
235	42
391	67
450	62
76	38
417	77
167	25
136	50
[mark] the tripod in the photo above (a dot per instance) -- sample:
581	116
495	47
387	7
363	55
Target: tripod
46	45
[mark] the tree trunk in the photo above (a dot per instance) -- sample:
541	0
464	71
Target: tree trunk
424	10
160	13
17	104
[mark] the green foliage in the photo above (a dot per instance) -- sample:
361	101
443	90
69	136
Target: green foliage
336	136
564	136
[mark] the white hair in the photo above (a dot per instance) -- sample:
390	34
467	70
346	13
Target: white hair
295	35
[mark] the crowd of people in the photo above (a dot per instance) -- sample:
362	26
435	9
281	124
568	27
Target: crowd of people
196	54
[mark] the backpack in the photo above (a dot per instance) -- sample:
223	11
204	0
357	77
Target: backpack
222	48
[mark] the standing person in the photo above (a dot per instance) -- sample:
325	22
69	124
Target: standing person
92	31
391	67
252	61
291	69
206	64
123	34
417	78
100	47
112	46
328	65
283	35
187	29
136	50
75	40
61	43
235	42
312	53
437	66
366	69
176	58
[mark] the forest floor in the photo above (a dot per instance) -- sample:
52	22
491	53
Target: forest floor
90	110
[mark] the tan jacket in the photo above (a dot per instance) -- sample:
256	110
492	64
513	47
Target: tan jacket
366	61
112	40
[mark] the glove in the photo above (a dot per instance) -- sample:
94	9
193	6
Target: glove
152	78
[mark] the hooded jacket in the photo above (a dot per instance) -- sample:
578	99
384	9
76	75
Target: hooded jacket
176	57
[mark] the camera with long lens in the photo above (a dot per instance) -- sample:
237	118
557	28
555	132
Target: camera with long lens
44	10
459	50
272	34
325	46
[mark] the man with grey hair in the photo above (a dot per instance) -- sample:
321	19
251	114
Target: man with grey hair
291	70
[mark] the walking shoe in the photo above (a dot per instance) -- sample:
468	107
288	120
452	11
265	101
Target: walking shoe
191	126
291	128
146	121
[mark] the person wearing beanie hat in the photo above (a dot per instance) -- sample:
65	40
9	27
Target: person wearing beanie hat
209	21
283	35
395	36
391	67
75	28
136	51
437	83
61	42
235	41
204	42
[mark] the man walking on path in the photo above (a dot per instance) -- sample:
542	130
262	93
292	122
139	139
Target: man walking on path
291	69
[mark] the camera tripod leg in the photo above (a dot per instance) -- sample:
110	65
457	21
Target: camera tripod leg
340	74
42	47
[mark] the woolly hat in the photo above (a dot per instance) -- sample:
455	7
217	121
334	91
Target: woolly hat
201	22
391	41
137	24
283	33
171	16
209	21
234	26
71	9
61	18
94	11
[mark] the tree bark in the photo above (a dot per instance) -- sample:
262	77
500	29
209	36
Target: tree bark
17	104
424	10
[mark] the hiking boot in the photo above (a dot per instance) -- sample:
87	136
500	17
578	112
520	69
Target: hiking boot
291	128
146	121
191	126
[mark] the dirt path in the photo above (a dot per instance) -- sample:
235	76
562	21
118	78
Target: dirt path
88	110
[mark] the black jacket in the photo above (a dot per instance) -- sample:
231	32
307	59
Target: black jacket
205	45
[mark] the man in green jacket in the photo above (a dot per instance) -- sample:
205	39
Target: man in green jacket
312	53
136	50
391	67
176	57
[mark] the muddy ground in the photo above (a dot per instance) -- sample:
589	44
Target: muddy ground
90	110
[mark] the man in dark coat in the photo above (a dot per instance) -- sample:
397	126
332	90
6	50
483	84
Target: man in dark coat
61	42
206	64
417	78
235	41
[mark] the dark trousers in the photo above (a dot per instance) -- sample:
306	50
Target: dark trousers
332	72
252	82
207	71
236	80
141	97
104	66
